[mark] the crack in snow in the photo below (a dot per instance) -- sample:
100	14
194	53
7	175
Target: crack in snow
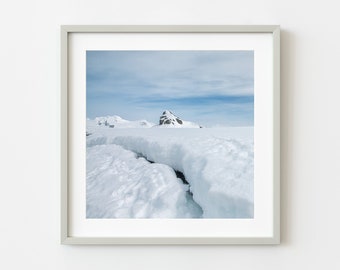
178	173
218	164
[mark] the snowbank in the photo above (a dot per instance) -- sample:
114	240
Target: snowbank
121	185
220	170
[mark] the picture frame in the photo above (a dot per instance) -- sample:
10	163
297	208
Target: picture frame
167	231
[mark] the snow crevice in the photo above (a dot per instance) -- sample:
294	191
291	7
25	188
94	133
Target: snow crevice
178	173
218	163
219	171
119	184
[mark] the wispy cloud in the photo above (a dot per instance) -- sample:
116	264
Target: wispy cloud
137	83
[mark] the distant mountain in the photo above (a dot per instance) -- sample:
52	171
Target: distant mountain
166	120
169	120
116	121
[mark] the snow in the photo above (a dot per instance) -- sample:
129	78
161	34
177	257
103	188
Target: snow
121	185
116	121
218	163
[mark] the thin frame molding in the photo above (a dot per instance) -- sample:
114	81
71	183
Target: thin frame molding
65	238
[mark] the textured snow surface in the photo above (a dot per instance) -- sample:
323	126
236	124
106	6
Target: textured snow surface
218	163
121	185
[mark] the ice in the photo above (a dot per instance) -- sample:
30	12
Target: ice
220	171
121	185
218	163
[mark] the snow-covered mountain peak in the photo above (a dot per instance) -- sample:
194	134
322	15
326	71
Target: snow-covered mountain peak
169	119
116	121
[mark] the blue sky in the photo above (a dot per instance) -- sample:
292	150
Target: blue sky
207	87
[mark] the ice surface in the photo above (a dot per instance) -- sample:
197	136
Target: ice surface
121	185
218	163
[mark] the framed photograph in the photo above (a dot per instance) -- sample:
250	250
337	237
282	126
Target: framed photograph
170	134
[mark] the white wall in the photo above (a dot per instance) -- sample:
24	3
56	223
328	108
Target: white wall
29	113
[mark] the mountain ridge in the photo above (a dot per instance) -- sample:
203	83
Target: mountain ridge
167	120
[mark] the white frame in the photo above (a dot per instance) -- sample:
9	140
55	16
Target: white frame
68	239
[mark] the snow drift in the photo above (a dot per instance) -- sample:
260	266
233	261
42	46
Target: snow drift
217	163
219	171
122	185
